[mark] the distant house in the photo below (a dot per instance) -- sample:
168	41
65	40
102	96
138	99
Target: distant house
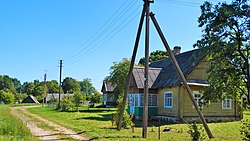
167	95
55	96
30	99
109	95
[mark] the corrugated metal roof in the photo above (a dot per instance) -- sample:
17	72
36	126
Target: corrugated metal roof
138	74
168	75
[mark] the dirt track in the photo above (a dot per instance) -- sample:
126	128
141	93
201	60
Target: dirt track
51	132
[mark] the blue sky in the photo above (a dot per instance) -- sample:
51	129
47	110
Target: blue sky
87	35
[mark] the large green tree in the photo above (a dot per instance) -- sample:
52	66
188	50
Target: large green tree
154	56
7	84
70	85
28	87
225	40
53	86
87	88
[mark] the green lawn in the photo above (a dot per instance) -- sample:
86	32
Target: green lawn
12	129
96	124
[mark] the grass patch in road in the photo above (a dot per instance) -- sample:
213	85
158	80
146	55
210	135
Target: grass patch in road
96	123
45	126
12	128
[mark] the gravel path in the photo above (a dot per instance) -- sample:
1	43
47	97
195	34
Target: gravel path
51	132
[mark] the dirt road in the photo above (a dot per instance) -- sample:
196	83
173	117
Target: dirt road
45	129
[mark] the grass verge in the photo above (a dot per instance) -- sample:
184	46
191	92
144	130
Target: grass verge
12	128
97	124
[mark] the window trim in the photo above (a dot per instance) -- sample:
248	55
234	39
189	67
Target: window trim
201	100
168	92
230	104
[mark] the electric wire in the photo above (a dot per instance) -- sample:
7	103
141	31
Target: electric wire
111	32
94	34
104	30
107	38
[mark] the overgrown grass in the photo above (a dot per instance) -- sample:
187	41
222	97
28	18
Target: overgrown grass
96	123
11	128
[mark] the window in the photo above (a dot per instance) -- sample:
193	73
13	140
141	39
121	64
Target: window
137	100
197	98
168	100
226	103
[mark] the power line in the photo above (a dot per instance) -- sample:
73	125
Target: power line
122	24
90	51
104	28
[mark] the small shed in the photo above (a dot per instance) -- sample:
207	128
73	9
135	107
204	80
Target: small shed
30	99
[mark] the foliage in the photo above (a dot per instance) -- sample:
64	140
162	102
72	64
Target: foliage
67	103
96	98
28	87
126	120
118	74
245	129
155	56
7	84
196	132
78	99
53	86
70	85
11	128
6	97
87	88
226	42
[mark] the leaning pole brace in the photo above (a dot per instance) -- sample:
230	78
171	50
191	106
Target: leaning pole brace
181	75
131	69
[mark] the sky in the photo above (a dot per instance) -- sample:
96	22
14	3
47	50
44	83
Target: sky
89	36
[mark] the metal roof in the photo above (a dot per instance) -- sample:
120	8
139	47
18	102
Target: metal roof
168	75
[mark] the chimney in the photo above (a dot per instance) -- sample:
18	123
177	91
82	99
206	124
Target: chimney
177	50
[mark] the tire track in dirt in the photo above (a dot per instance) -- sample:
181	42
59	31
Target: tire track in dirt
32	121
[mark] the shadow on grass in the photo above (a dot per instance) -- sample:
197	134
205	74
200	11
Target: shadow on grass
106	117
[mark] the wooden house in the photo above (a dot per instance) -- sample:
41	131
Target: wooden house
168	98
30	99
109	95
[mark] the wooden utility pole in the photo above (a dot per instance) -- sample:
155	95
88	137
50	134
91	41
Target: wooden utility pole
145	105
45	75
146	10
181	75
130	70
60	84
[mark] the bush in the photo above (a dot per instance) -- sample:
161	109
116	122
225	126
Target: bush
126	120
6	97
245	130
196	132
67	103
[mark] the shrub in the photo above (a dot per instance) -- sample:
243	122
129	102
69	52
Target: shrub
6	97
126	120
245	130
67	103
196	132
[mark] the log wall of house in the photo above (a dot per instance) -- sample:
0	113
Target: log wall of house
211	110
175	102
200	71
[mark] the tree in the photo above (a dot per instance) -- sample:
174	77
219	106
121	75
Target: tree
53	86
87	88
78	98
96	97
117	77
28	87
154	56
39	92
7	84
226	29
6	97
70	85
